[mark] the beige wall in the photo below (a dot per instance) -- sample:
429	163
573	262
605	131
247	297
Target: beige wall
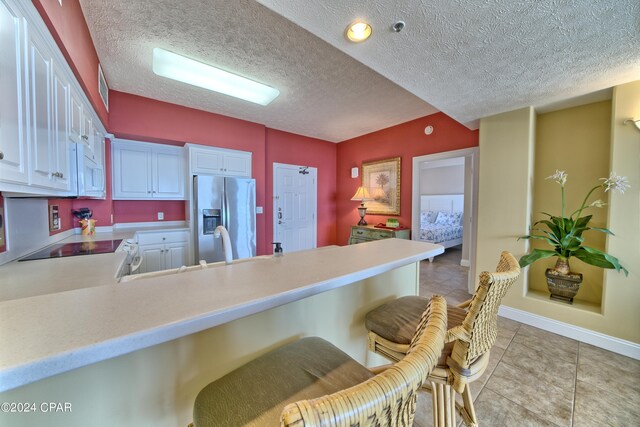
575	140
504	188
507	143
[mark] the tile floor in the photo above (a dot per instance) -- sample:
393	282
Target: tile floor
537	378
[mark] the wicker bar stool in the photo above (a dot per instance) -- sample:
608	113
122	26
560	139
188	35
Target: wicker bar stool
471	333
312	383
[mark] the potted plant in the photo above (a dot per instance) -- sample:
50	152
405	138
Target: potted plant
564	235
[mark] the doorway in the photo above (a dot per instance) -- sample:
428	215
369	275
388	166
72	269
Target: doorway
468	158
295	190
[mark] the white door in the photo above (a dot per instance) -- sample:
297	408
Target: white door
294	206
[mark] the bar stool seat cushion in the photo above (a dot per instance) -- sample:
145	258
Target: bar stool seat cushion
398	319
255	394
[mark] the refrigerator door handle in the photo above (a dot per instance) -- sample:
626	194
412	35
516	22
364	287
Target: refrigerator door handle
225	206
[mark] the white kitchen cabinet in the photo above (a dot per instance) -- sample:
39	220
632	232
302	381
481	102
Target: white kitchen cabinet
13	139
144	171
216	161
60	161
93	178
75	117
88	137
39	68
43	114
162	250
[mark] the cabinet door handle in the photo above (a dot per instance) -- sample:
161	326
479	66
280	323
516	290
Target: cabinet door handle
1	155
84	137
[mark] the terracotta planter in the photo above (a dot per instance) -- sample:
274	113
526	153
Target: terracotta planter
562	283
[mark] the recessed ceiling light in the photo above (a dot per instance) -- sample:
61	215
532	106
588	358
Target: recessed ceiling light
359	31
186	70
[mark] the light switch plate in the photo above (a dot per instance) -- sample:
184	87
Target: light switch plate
160	216
354	172
258	209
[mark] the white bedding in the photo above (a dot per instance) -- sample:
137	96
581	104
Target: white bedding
440	233
438	227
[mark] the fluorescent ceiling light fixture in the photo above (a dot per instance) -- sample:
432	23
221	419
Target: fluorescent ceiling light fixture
359	31
186	70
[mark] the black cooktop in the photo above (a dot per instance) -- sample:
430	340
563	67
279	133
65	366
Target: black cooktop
74	249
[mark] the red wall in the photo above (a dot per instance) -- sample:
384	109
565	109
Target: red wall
289	148
135	117
406	140
68	27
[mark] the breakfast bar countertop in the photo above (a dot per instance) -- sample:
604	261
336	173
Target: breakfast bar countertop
49	334
23	279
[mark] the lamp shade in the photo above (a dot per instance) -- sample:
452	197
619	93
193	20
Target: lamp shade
362	194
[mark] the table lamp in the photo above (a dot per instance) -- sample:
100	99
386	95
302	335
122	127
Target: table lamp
362	195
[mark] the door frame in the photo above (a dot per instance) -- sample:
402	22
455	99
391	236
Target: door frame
313	173
473	155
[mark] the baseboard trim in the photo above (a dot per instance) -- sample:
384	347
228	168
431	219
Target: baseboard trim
617	345
465	263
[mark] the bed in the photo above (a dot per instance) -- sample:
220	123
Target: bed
441	219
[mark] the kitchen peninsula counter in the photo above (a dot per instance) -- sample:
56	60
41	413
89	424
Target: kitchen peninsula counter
23	279
323	292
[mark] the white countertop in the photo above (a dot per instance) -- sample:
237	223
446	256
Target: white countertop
88	325
47	276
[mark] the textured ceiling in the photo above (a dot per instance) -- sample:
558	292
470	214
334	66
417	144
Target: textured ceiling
469	59
472	59
324	93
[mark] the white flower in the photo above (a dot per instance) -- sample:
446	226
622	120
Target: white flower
560	177
598	203
615	183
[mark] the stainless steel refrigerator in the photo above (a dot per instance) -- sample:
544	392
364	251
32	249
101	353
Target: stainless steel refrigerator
226	201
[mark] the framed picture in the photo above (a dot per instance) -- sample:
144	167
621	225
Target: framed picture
103	89
382	178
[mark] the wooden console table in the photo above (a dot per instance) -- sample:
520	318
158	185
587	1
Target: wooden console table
367	233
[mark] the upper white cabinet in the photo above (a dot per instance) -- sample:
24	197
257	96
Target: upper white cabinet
47	127
13	139
60	153
143	170
217	161
39	119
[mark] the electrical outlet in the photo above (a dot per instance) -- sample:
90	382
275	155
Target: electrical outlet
54	218
258	209
160	216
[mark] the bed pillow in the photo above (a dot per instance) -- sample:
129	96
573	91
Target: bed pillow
428	217
448	218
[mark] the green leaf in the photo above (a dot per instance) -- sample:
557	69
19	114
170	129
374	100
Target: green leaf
599	259
582	222
604	230
536	255
553	227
